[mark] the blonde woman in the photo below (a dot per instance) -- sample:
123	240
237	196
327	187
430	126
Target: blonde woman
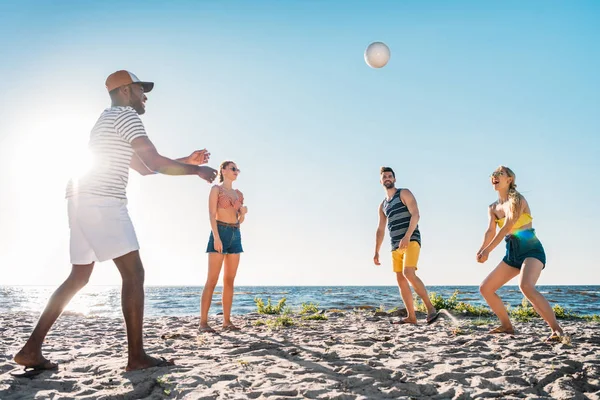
227	211
525	256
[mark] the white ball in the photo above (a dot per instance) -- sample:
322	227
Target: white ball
377	55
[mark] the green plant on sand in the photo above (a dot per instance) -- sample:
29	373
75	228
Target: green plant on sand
523	312
269	308
309	308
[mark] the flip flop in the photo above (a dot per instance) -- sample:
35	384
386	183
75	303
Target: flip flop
556	337
431	318
553	338
165	363
30	372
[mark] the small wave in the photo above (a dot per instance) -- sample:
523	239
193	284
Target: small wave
273	293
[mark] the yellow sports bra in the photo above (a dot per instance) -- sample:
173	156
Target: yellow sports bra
523	220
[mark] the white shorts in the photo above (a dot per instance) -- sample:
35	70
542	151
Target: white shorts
101	229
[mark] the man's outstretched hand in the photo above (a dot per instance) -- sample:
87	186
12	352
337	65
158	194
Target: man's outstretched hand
198	157
207	173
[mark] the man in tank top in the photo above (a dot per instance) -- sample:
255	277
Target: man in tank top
399	209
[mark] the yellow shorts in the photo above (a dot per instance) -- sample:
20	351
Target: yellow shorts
407	257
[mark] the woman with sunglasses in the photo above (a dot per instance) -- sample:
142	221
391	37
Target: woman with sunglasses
525	256
227	211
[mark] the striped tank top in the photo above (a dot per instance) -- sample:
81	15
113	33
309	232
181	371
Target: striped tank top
398	219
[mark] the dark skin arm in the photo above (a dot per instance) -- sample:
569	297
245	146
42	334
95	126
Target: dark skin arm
198	157
137	165
147	156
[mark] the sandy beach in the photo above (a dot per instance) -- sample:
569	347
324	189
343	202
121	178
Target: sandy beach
351	355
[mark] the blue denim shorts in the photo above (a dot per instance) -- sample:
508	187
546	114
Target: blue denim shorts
230	237
521	245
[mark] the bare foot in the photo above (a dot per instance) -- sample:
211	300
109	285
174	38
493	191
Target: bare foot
148	362
206	329
502	329
230	327
406	321
34	359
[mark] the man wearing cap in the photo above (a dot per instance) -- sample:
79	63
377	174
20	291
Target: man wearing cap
99	222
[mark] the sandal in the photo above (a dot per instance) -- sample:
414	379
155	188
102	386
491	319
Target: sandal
558	337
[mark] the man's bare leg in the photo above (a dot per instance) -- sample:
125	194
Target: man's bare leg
419	286
407	298
132	301
31	354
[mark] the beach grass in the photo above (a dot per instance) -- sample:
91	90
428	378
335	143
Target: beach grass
282	316
315	317
269	308
309	308
524	312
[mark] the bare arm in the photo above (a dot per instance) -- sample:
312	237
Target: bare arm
491	230
411	203
242	214
379	234
243	209
213	197
149	156
506	229
198	157
137	165
380	229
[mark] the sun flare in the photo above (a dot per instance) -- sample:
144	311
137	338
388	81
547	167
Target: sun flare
50	151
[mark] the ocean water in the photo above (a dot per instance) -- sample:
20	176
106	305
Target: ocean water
185	300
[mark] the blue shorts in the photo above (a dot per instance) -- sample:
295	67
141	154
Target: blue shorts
521	245
230	237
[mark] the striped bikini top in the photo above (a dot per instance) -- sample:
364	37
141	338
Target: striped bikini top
398	219
225	200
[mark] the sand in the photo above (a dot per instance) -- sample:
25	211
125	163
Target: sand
352	355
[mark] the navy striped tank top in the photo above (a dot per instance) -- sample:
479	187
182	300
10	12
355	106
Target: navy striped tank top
398	219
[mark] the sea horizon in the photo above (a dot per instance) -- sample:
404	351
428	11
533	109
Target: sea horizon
104	300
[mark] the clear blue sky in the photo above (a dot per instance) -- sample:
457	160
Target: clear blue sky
281	87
